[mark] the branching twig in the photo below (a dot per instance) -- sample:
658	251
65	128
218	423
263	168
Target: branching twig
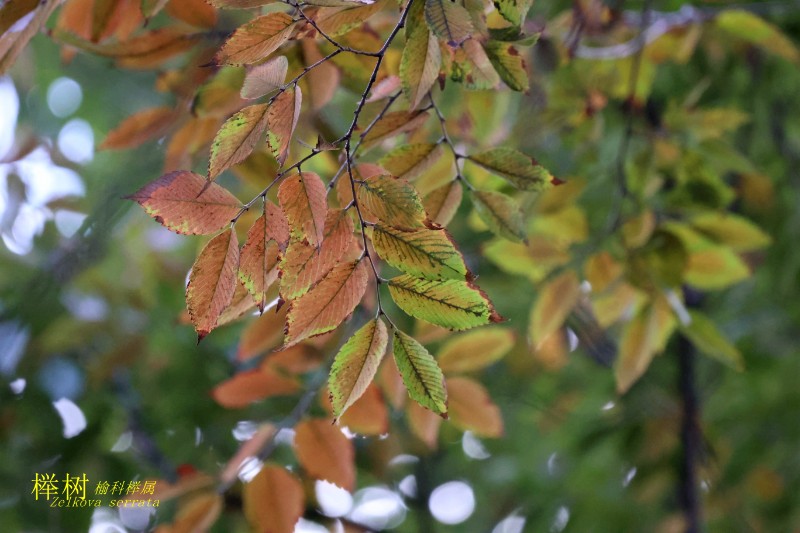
446	139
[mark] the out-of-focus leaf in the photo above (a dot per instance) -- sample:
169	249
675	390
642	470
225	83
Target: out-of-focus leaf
369	415
185	202
198	13
708	339
263	333
442	203
556	299
424	424
325	453
644	336
198	513
140	127
323	79
421	374
471	408
212	282
750	27
500	213
475	350
273	500
252	386
738	233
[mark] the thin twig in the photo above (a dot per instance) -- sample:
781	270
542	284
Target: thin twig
446	139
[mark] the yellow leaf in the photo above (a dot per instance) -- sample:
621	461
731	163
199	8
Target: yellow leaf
556	299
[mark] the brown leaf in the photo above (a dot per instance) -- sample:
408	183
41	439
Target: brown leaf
424	424
368	415
191	138
140	127
212	281
241	304
253	385
324	307
274	500
198	513
262	334
472	409
194	12
186	203
12	43
282	119
303	197
325	453
256	40
322	79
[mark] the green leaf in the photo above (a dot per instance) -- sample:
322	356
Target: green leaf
425	253
236	138
355	365
448	303
509	64
410	160
522	171
419	64
755	30
512	34
513	11
449	21
501	213
392	201
738	233
421	375
702	332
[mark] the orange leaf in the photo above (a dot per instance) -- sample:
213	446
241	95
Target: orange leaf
324	307
195	12
262	334
303	197
198	513
274	500
186	203
424	424
256	40
298	359
258	265
283	114
140	127
368	415
304	265
391	382
472	409
325	453
251	386
212	282
195	135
